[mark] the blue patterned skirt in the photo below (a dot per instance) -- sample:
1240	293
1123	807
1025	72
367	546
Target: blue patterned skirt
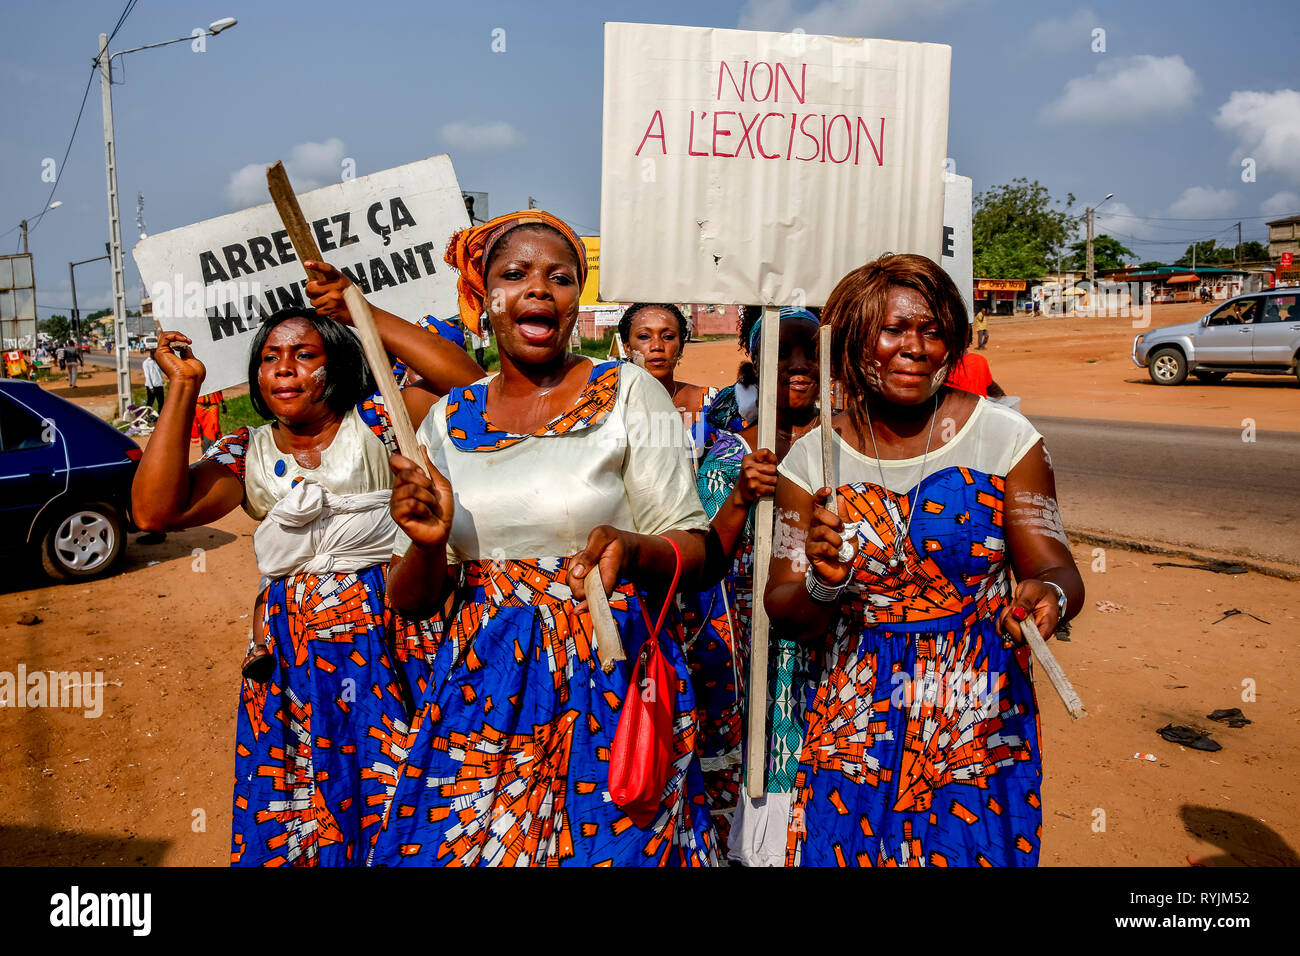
509	759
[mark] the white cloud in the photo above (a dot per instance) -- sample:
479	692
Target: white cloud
309	165
1117	218
1280	204
839	17
1267	127
1203	202
497	135
1125	89
1063	34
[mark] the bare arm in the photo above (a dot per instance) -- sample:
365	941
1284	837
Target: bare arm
757	480
803	518
168	492
443	364
1037	547
423	507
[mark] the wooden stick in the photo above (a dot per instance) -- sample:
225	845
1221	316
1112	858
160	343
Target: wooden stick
825	412
609	643
756	775
286	203
1055	674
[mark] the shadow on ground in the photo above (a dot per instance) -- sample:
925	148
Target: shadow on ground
41	846
1243	840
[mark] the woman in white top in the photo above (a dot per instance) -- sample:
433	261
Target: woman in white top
921	744
554	467
318	732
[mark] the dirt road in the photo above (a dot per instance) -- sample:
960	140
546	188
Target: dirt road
148	780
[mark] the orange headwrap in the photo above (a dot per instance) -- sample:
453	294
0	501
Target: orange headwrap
468	251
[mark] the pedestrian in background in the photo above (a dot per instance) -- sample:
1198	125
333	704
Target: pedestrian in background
981	329
72	356
153	380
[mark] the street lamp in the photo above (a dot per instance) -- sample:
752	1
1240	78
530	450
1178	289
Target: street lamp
23	225
1092	219
104	60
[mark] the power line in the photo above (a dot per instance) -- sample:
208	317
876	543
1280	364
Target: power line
58	176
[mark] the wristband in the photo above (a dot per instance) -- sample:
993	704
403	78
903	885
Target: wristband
819	590
1061	601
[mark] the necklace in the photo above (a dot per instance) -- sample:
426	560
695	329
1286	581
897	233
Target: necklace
898	556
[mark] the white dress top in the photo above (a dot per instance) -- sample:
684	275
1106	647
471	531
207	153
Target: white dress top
355	462
619	462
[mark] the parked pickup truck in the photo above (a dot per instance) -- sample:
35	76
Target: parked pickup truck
1257	333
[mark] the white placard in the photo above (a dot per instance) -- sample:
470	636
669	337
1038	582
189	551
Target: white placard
957	259
750	167
216	280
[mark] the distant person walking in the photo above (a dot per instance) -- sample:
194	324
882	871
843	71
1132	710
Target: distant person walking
207	420
153	381
981	329
72	357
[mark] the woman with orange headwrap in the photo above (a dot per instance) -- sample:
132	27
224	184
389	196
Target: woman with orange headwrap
532	478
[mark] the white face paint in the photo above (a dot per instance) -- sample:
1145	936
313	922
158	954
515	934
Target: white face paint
1040	515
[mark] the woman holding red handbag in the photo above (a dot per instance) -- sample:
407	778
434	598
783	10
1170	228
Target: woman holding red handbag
528	748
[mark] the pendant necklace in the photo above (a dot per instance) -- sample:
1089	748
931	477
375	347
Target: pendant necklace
898	556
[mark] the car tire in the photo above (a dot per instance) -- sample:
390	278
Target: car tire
1210	377
85	542
1167	367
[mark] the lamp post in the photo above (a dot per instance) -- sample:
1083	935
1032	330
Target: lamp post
1092	219
72	281
105	62
23	225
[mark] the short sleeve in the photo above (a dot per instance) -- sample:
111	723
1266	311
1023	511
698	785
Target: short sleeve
230	450
720	472
657	472
1025	437
803	462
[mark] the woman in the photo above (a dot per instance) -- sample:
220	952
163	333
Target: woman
316	743
545	481
655	335
921	744
734	475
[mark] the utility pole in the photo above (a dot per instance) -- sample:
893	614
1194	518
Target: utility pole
1236	253
1091	220
115	232
23	226
532	203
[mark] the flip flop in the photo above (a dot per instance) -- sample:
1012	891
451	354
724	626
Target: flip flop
1187	737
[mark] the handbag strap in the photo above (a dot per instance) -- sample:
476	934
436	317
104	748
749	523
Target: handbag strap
668	599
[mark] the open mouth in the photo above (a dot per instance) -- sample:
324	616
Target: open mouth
536	327
802	385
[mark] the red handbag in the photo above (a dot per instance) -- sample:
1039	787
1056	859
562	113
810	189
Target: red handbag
641	759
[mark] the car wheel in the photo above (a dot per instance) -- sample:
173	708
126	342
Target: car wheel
84	543
1210	377
1167	367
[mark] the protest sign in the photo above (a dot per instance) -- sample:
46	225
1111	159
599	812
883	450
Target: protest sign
216	280
751	167
957	259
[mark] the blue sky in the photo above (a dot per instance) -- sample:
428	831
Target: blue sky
1162	116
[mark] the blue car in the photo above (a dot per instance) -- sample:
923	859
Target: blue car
65	484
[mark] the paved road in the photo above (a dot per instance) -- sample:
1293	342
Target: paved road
136	360
1199	487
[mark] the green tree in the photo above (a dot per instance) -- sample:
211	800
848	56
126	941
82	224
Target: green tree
1208	253
97	315
57	327
1107	253
1018	231
1150	264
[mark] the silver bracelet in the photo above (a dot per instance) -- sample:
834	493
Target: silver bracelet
819	590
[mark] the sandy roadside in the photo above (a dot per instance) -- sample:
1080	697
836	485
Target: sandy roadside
148	781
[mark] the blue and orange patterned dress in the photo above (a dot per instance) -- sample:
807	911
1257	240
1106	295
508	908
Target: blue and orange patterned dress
922	740
509	758
318	745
